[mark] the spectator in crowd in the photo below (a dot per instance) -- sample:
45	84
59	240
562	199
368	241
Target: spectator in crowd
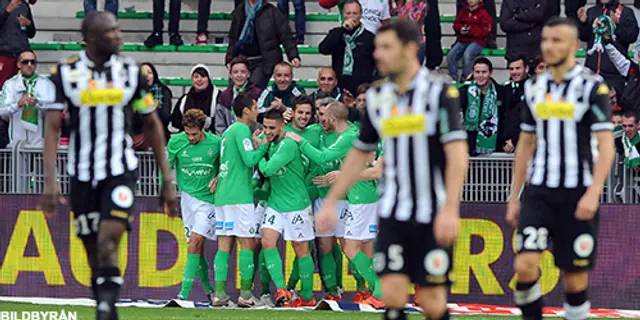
351	49
636	13
239	74
203	95
204	9
514	101
490	7
415	10
522	21
155	39
571	8
481	103
472	27
539	66
279	95
626	32
257	31
300	17
23	99
433	36
162	95
4	132
630	71
631	140
109	5
361	97
16	28
327	82
374	14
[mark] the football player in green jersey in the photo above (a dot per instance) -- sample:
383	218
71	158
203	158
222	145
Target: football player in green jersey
194	153
235	212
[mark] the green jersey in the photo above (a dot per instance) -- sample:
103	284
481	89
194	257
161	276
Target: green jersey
366	191
237	159
286	177
312	134
196	164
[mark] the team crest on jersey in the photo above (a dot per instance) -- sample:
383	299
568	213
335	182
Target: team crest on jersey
122	196
436	262
210	152
584	245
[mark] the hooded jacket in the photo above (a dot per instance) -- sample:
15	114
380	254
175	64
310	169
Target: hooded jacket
164	96
180	107
479	22
626	33
13	39
522	21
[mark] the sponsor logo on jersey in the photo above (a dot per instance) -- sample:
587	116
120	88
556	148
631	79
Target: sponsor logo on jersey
228	225
297	220
101	97
555	110
122	196
436	262
373	228
396	126
346	215
219	225
583	245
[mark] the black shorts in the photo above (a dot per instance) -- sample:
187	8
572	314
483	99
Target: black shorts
410	248
109	199
549	214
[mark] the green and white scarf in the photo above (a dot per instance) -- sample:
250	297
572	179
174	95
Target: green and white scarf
485	123
631	155
30	114
350	44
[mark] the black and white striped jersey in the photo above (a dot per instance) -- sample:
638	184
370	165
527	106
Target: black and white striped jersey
564	116
414	127
100	106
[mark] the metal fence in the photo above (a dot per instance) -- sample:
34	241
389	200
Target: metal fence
488	179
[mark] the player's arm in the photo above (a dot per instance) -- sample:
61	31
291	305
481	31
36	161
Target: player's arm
250	157
284	155
375	172
335	151
598	117
356	160
8	103
53	125
454	140
524	151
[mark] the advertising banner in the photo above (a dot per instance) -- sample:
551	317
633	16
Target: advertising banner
43	258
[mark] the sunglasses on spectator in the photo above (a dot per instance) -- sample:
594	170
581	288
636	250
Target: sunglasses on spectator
29	61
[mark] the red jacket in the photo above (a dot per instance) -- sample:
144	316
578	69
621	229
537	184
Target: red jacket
479	23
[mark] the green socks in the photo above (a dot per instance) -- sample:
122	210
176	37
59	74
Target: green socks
306	277
360	281
190	270
294	276
365	267
265	278
274	265
247	270
203	274
328	272
221	268
337	255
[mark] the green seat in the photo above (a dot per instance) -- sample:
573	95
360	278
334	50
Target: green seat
194	48
164	48
46	46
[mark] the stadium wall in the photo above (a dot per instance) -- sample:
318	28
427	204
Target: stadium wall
44	258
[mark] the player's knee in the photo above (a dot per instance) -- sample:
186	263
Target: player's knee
107	252
433	309
526	267
268	241
196	242
325	245
576	281
394	290
351	248
301	248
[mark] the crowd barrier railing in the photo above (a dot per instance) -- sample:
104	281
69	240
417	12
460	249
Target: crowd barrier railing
488	179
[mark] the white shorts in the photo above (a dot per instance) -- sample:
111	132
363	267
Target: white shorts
198	216
361	222
261	211
238	220
341	205
293	226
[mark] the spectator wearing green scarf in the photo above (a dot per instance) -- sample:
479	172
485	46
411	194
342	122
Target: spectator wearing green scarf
481	102
279	95
631	140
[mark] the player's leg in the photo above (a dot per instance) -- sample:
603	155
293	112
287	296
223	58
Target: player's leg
265	278
116	202
188	208
360	229
433	301
343	215
326	242
226	242
203	275
271	231
247	227
298	228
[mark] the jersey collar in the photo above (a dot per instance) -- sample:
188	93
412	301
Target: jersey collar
89	63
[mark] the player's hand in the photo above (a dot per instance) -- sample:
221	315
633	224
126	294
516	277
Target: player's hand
331	177
168	197
296	62
277	105
293	136
326	219
318	181
256	138
14	4
582	14
445	226
587	206
348	99
288	115
508	146
51	196
213	185
513	213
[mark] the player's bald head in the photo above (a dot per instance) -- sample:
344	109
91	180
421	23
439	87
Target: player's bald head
338	110
97	22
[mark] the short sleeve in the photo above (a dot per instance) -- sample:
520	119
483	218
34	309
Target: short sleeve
449	122
528	123
598	116
142	101
58	100
385	11
368	138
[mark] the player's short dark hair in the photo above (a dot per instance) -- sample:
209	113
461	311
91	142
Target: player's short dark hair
238	60
406	30
194	118
325	101
630	114
362	89
561	21
283	64
538	60
302	99
513	59
485	61
243	100
274	114
618	113
352	2
323	95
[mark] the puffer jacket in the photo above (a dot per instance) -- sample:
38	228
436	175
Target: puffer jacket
13	39
522	21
